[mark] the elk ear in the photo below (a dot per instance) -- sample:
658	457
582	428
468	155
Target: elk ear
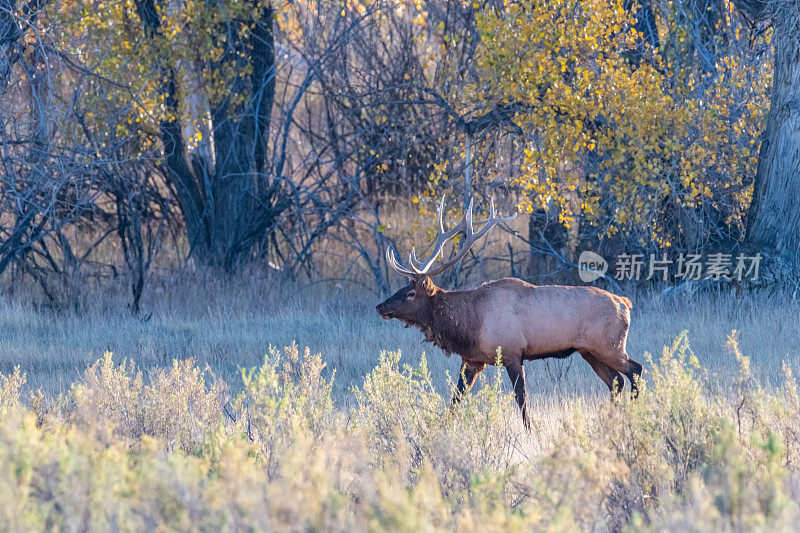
427	286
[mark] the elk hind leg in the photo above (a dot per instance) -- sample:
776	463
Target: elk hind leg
633	372
622	363
610	377
466	377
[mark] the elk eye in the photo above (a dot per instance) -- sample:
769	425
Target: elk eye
411	294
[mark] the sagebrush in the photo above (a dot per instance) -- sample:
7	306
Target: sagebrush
180	450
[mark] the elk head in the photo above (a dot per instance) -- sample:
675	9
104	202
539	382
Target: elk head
410	304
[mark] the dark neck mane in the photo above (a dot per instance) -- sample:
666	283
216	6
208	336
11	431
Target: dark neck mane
450	323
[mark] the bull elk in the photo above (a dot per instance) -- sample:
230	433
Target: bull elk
525	321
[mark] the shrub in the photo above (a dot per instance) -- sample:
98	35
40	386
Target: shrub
178	406
169	452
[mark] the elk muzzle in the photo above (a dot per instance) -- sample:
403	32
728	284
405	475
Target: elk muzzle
383	310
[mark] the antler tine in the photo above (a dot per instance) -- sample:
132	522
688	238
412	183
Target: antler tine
493	215
412	257
418	269
441	238
414	263
440	215
473	237
391	261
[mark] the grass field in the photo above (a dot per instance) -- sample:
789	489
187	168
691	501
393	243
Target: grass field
108	444
230	325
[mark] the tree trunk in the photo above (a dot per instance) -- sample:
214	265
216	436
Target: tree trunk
774	216
229	202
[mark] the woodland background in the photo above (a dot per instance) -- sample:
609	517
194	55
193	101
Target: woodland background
144	139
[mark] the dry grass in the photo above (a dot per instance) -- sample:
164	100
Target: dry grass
137	441
231	324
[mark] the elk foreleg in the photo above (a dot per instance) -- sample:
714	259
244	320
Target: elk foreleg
516	372
466	377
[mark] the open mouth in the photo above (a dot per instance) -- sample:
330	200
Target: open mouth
387	316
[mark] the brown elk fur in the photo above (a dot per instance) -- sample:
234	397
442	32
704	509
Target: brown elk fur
525	321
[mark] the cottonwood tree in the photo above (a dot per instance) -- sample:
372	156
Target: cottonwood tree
201	82
228	197
198	82
774	216
652	154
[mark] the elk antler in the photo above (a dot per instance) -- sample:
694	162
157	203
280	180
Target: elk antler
442	237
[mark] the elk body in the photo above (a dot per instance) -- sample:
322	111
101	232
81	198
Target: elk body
525	321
